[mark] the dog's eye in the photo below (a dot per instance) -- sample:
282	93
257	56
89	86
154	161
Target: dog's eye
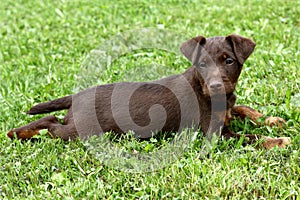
229	61
202	64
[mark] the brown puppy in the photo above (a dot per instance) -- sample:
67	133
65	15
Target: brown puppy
200	97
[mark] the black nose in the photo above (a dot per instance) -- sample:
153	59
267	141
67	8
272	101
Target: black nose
216	85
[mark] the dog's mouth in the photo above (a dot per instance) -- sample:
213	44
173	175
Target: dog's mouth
217	86
218	91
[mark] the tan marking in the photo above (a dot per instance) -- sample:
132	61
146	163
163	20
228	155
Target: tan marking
245	111
281	142
10	134
221	115
25	134
272	121
228	117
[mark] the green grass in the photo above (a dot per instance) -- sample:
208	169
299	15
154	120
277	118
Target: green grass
42	46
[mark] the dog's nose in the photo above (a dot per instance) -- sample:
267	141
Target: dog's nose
215	86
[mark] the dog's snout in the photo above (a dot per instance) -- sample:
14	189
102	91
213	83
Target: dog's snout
215	85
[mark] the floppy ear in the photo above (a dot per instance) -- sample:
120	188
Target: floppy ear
191	48
242	47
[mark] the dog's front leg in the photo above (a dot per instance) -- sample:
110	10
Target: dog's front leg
247	112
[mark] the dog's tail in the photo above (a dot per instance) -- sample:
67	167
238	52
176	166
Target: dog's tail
57	104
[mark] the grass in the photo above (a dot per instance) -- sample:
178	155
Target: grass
43	45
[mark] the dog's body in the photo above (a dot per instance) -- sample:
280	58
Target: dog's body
202	96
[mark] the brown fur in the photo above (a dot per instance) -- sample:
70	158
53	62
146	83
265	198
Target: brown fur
217	64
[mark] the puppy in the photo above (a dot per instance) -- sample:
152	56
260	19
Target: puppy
202	96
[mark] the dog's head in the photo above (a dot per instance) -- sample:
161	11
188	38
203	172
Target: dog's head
218	61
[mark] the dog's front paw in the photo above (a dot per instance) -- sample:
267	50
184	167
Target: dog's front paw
281	142
272	121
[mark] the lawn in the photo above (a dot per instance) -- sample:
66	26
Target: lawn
44	52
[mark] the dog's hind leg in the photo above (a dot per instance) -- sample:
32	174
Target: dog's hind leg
54	127
255	116
267	142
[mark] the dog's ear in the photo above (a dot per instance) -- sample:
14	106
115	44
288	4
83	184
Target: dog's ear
191	48
242	47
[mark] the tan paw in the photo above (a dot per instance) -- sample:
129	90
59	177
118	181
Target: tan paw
272	121
22	134
281	142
